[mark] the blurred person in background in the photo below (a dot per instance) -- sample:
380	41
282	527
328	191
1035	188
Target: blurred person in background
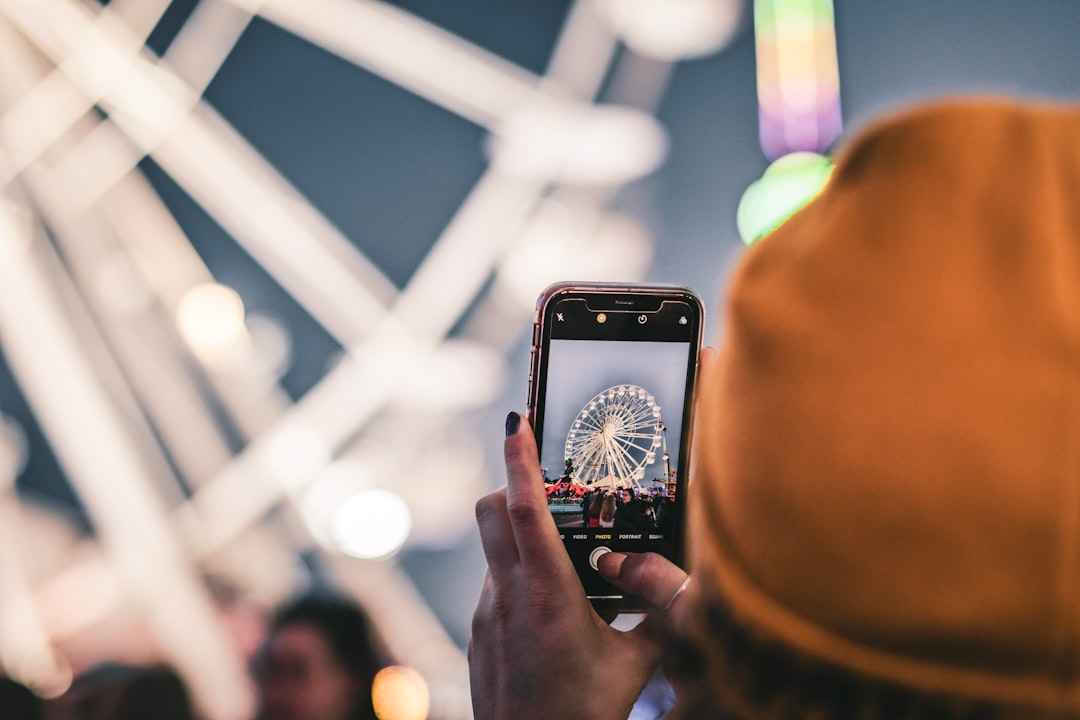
124	692
318	661
154	692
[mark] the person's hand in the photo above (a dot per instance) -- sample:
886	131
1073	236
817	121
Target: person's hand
538	649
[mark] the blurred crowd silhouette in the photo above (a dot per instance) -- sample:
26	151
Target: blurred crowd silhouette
317	661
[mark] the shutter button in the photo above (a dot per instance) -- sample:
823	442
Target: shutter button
595	555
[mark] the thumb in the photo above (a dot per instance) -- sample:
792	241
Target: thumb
647	575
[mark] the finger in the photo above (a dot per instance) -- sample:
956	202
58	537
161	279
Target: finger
706	371
485	681
489	616
538	543
647	575
496	535
482	612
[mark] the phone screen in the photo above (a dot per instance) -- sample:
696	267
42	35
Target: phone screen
615	389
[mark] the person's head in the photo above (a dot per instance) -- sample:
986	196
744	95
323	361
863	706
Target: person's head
626	495
595	504
118	691
319	661
607	512
886	510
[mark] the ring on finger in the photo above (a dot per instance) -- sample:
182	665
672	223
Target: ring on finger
677	593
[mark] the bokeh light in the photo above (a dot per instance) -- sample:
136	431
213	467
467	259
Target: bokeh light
787	185
210	318
332	488
798	76
272	342
400	693
672	30
372	524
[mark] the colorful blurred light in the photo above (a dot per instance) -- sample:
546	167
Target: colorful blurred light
787	186
798	76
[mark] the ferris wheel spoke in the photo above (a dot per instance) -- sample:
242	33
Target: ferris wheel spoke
625	468
595	445
585	459
623	453
595	419
587	437
619	459
635	440
634	452
612	461
643	435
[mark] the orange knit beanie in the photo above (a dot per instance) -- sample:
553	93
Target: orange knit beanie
888	455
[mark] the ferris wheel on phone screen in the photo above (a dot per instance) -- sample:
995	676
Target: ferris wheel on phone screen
614	437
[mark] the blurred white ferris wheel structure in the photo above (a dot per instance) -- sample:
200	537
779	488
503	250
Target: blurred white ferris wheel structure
132	356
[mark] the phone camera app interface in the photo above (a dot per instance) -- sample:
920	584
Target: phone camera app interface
613	421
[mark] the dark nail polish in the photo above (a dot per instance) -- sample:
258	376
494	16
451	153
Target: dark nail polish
513	422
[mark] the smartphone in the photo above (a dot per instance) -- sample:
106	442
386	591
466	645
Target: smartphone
611	397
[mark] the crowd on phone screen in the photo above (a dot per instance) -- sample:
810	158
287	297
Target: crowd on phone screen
629	509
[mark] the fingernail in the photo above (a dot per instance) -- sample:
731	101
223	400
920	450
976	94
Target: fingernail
513	422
